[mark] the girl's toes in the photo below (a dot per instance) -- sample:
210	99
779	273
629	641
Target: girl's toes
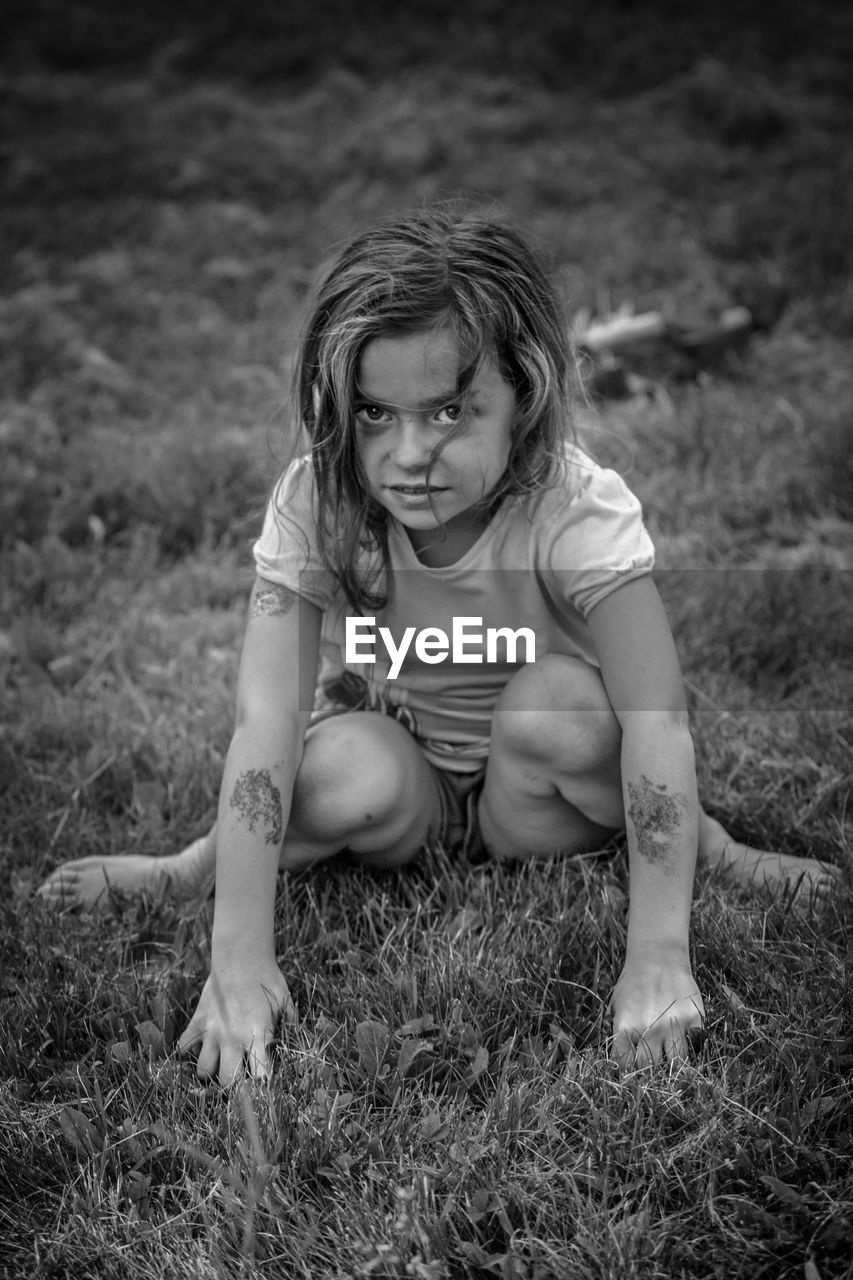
827	885
814	885
74	886
61	893
57	883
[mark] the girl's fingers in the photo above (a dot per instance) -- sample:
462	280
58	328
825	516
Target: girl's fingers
227	1053
647	1052
280	1006
631	1049
212	1062
258	1059
675	1050
190	1039
678	1045
208	1064
230	1064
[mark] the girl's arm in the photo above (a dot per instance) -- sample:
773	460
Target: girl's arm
246	992
656	1002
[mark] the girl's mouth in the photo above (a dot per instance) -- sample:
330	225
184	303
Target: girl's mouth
414	490
414	494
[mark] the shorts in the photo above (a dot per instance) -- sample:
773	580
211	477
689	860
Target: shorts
458	792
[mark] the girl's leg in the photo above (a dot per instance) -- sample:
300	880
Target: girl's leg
363	785
86	882
760	866
553	779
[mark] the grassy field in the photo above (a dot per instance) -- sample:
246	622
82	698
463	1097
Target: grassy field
446	1107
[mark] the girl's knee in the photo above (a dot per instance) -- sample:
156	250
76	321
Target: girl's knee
359	773
557	709
555	682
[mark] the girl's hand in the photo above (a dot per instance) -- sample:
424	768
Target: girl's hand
657	1010
236	1018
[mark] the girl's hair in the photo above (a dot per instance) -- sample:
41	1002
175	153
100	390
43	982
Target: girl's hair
436	268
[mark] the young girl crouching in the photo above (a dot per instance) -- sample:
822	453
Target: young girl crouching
453	635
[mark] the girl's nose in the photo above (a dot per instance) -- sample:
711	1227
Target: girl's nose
410	445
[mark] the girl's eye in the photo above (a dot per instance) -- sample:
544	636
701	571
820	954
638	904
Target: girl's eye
450	413
370	414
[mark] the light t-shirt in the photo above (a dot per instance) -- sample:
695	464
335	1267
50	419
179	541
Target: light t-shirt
544	561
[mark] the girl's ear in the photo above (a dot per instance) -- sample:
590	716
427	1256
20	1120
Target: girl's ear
315	399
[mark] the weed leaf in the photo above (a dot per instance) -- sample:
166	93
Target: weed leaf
479	1065
466	918
120	1052
733	1001
152	1038
782	1190
79	1131
433	1127
409	1051
418	1026
372	1041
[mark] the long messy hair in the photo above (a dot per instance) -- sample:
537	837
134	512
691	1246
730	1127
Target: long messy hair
435	268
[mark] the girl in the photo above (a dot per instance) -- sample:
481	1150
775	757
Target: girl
453	635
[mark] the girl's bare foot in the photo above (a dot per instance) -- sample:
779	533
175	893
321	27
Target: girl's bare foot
88	882
805	877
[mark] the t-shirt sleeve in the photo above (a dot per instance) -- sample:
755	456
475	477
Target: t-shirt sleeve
597	540
286	551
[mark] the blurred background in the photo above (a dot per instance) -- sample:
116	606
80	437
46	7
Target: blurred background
174	173
615	45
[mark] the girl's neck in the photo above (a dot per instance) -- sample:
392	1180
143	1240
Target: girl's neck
443	547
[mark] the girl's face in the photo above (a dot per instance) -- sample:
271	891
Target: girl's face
405	402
